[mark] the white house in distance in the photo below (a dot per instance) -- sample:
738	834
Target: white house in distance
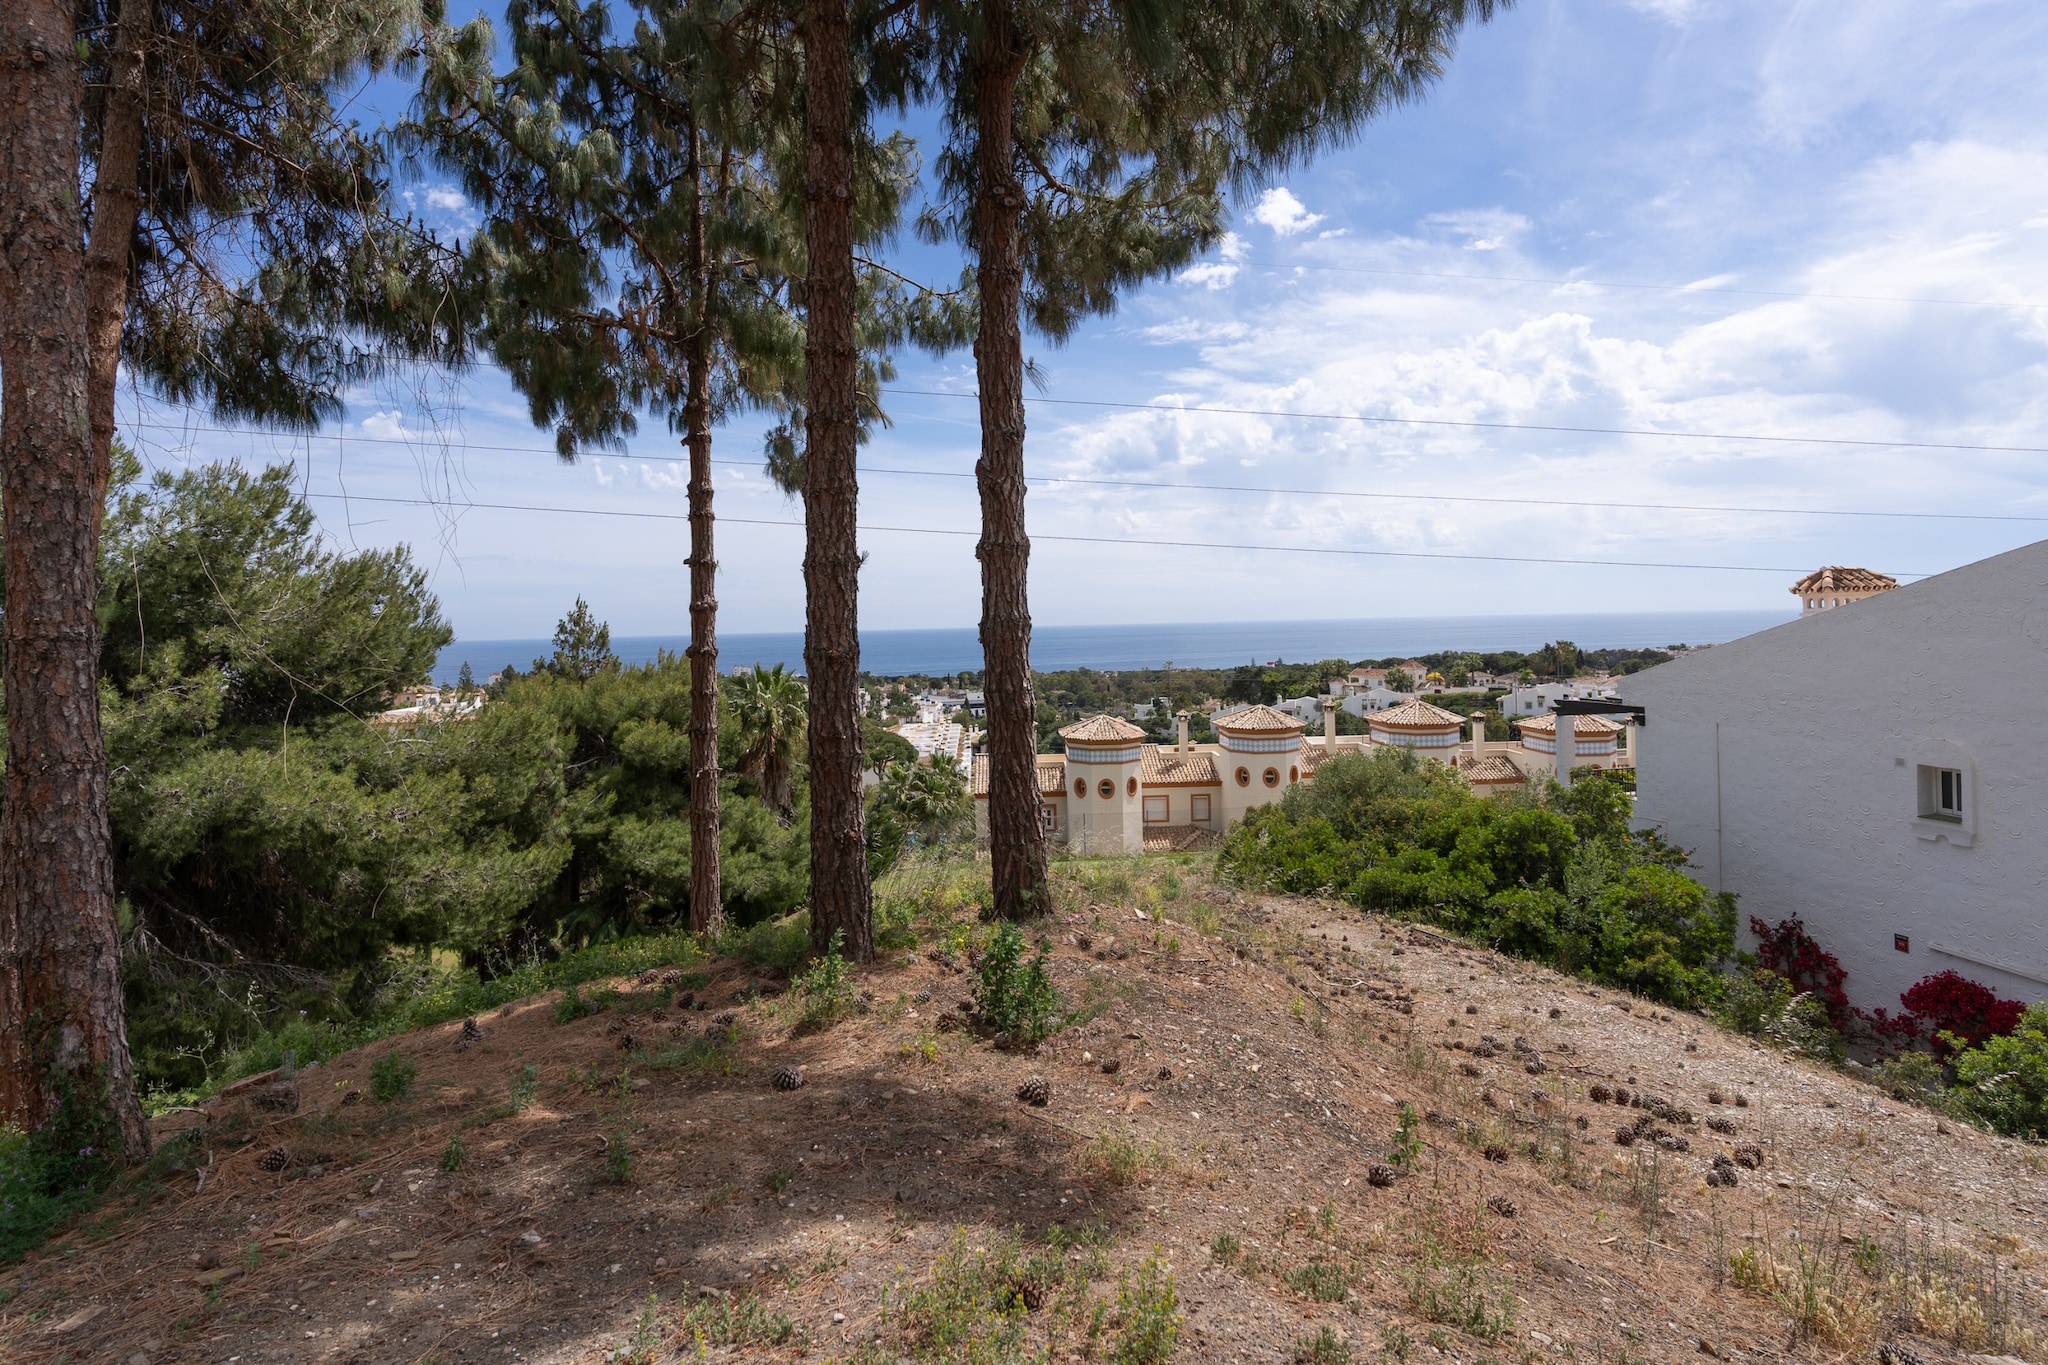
1111	792
1539	699
1872	771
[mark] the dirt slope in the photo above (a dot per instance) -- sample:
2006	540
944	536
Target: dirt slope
1259	1077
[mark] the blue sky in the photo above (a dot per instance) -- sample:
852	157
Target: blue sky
1839	207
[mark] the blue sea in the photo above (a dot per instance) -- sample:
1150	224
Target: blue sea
1209	644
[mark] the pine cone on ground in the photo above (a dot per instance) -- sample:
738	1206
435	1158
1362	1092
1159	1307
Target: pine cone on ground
1503	1206
1897	1353
1468	1069
614	1029
921	998
1599	1094
787	1078
1494	1151
627	1042
1721	1175
1749	1158
685	1000
1715	1097
1112	1065
1165	1073
1721	1125
1035	1091
1621	1094
281	1097
671	978
1742	1101
1381	1176
1556	1013
678	1030
1624	1137
276	1159
657	1016
650	976
352	1097
1471	1009
1535	1066
948	1022
724	1019
472	1034
1673	1142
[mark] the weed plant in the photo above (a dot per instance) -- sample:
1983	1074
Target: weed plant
1013	994
391	1078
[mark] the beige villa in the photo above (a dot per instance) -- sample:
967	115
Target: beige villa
1111	792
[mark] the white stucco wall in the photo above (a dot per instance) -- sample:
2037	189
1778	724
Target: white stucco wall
1787	763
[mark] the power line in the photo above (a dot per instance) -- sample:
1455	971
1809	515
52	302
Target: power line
1055	480
1624	284
1083	540
1497	426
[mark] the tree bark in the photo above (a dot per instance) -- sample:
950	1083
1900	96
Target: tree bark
840	898
707	908
1016	839
61	1014
116	199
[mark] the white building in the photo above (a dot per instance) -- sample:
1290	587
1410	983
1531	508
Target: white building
1872	771
1539	699
938	739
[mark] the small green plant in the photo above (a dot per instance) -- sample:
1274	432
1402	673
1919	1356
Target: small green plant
1463	1295
924	1047
1868	1254
826	990
778	1181
454	1156
570	1006
1324	1348
1120	1157
1225	1247
391	1078
525	1088
1148	1315
735	1322
1394	1341
644	1346
1014	995
1406	1148
618	1148
1318	1280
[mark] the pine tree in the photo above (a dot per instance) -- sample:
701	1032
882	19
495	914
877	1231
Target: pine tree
1089	150
63	1036
635	252
583	646
465	680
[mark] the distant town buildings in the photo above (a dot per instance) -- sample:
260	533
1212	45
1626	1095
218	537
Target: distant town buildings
1538	699
427	702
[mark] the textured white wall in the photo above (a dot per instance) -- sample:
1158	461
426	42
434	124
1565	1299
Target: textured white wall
1786	763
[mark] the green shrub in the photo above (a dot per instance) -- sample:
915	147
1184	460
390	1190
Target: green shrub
391	1078
1406	1147
1013	995
826	990
1753	1001
454	1156
2003	1082
1148	1315
1324	1348
50	1175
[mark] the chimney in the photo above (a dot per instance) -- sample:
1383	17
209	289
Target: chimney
1330	725
1478	735
1180	730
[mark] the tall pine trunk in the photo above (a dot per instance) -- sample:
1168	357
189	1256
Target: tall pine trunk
840	901
707	910
62	1030
116	199
1016	839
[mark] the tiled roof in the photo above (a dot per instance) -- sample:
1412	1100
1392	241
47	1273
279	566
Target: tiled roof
1313	756
1838	578
1582	726
1258	720
1162	767
1101	730
1052	774
1180	838
1415	714
1492	770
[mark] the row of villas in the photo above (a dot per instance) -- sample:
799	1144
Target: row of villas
1111	792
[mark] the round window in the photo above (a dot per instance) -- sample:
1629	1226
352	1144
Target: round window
1080	786
1131	787
1106	787
1244	777
1294	774
1272	778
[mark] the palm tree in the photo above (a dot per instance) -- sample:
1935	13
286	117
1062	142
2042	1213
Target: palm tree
929	798
770	708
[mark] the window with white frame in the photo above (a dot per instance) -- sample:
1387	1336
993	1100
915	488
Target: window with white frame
1155	810
1049	818
1941	793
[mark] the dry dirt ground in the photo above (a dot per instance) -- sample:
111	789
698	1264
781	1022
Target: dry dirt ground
1260	1073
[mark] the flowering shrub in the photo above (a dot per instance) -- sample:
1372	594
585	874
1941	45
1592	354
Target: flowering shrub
2004	1082
1790	952
1948	1006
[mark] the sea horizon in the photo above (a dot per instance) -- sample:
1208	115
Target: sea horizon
1208	644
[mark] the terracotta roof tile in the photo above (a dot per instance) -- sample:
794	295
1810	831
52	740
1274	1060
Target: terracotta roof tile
1493	770
1414	715
1162	767
1101	730
1052	775
1582	725
1840	578
1258	720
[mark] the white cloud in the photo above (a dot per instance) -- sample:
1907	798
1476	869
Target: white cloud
388	426
446	198
1279	210
1214	274
1671	11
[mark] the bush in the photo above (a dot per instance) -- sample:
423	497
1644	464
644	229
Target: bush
826	990
391	1078
1753	1001
1148	1315
50	1175
1012	995
2003	1082
1948	1005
